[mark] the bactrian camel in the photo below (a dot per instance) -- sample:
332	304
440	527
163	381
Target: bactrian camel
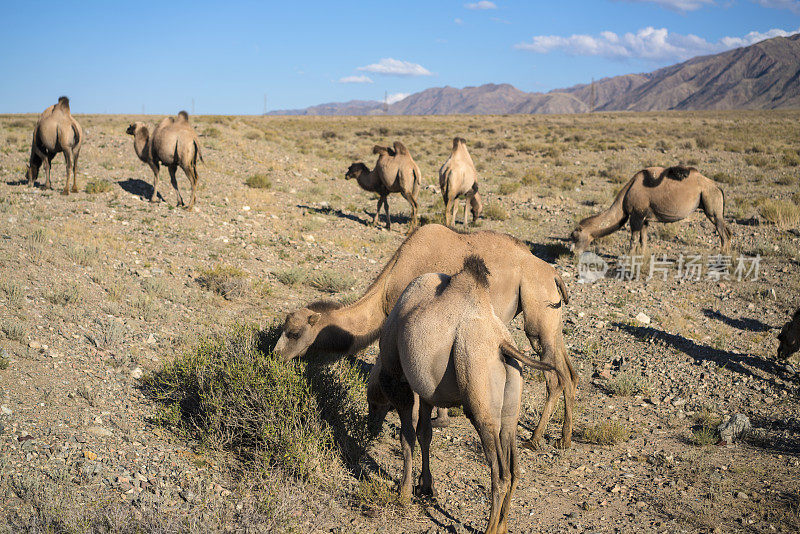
174	144
394	172
789	337
665	195
519	282
55	131
458	177
442	345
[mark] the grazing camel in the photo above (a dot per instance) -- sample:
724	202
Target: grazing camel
458	177
174	144
442	345
666	195
789	337
55	131
519	282
394	172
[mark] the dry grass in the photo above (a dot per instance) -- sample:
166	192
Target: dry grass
225	280
782	213
626	384
605	433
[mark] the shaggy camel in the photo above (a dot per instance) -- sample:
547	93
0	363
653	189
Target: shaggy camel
394	172
666	195
519	282
55	131
458	177
789	337
174	144
442	345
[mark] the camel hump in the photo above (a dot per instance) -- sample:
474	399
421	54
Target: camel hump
378	149
63	103
458	141
678	172
476	268
183	115
400	148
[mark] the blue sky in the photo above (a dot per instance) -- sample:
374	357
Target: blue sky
124	57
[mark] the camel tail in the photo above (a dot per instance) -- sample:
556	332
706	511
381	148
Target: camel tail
476	268
197	153
510	351
562	289
417	182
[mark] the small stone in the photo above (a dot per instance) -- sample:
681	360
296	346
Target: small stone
245	208
642	318
732	429
5	410
151	340
99	431
308	238
35	345
188	496
741	495
137	373
89	455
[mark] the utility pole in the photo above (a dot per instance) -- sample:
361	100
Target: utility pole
385	102
592	98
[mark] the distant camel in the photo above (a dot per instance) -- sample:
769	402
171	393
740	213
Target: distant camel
174	144
442	345
519	282
789	337
55	131
458	177
394	172
666	195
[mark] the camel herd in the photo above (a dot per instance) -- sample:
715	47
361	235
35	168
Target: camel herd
441	304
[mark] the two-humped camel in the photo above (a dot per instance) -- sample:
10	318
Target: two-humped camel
174	144
55	131
458	177
519	282
666	195
442	345
394	172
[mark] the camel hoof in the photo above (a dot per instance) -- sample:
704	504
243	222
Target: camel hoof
429	493
153	200
65	192
74	189
563	443
533	444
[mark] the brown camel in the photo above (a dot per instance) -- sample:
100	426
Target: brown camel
394	172
666	195
458	177
442	345
55	131
789	337
174	144
519	282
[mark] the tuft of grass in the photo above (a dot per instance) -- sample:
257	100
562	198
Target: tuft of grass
5	361
725	178
212	132
704	141
259	181
230	282
253	135
605	433
495	211
291	276
231	392
330	281
626	384
704	436
13	292
507	188
375	493
96	186
65	296
782	213
14	330
82	255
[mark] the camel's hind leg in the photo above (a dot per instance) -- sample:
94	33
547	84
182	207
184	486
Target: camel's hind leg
75	171
377	211
154	167
424	436
46	161
512	397
191	173
414	208
492	449
174	180
68	164
637	227
713	204
448	212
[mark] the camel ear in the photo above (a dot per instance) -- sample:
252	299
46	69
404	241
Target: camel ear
312	319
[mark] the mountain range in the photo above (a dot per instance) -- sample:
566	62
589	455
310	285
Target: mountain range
765	75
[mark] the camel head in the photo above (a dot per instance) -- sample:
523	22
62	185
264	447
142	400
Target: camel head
789	337
581	239
135	127
300	330
31	173
476	207
356	170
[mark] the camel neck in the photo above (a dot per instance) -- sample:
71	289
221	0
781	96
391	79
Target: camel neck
140	140
368	180
354	327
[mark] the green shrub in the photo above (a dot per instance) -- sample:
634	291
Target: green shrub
605	433
259	181
97	186
330	281
291	276
232	393
627	383
230	282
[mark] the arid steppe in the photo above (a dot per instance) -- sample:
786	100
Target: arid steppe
102	292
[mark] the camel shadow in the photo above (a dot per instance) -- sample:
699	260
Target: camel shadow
394	217
138	187
549	252
777	439
23	181
732	361
745	323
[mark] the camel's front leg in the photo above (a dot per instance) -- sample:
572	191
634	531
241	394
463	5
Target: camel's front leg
424	436
377	211
174	180
154	196
46	161
75	172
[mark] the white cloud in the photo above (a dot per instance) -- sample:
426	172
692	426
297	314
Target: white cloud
396	97
396	67
356	79
653	44
675	5
791	5
483	4
459	21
